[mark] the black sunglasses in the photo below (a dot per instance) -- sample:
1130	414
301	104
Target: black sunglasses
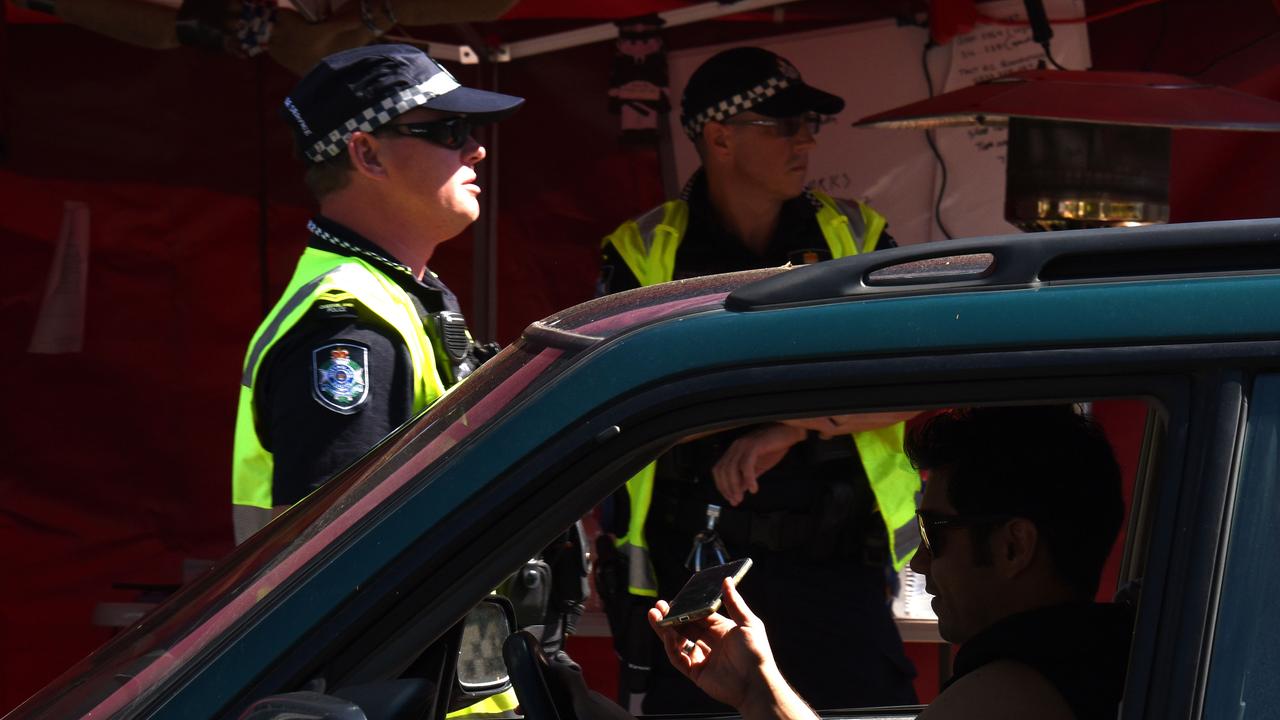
451	133
787	126
930	524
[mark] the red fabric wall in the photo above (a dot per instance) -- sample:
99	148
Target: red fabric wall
117	458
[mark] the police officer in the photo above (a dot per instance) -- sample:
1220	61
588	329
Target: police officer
364	336
825	507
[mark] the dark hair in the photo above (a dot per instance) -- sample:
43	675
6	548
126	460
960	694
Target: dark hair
329	176
322	178
1046	463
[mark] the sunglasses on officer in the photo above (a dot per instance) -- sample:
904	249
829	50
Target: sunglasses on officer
783	127
452	132
932	524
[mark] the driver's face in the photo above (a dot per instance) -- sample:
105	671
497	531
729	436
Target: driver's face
961	588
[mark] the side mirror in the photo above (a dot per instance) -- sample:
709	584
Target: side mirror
480	671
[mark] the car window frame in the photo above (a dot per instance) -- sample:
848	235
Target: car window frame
1257	414
1172	637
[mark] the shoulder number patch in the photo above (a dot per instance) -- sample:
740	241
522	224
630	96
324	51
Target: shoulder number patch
341	376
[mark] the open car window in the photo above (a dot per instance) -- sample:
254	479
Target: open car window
1135	426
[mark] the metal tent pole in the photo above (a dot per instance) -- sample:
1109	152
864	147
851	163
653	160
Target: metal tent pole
466	55
609	30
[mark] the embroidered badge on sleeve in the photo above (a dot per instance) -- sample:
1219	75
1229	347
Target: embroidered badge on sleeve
341	376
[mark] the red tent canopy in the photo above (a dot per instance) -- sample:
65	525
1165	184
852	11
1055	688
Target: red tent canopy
117	457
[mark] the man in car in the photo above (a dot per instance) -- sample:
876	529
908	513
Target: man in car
821	507
364	336
1020	510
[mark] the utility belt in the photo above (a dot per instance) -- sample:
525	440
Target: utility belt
832	515
836	531
548	592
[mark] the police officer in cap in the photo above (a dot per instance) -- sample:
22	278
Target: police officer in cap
825	506
364	336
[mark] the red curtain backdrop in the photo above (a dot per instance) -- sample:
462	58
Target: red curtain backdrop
117	457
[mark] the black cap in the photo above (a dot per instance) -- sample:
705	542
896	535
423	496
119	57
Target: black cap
749	78
364	88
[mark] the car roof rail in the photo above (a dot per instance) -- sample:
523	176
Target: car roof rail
1025	260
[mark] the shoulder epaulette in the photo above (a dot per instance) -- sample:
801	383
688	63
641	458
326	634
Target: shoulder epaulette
336	303
646	222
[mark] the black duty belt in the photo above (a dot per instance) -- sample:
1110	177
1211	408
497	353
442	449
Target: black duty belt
778	531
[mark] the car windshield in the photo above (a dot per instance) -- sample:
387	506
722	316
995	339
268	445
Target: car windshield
170	641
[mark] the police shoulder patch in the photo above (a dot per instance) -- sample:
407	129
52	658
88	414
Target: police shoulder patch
336	304
340	376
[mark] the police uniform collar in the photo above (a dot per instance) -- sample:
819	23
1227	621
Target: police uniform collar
697	185
332	236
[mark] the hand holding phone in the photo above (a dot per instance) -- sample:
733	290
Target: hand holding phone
727	656
701	595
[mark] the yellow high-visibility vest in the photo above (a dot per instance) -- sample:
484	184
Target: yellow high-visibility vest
648	244
320	276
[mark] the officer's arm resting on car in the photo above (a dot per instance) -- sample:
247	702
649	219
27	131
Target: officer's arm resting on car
750	456
834	425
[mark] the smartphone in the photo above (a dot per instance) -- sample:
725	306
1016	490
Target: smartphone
701	595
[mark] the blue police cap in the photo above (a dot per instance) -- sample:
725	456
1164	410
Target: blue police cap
364	88
749	78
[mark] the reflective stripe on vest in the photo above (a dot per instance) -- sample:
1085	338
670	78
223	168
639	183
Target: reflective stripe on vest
634	546
896	486
333	276
648	246
648	243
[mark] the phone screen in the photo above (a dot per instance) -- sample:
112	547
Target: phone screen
701	595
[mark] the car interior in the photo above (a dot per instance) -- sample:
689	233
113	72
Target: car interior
1134	427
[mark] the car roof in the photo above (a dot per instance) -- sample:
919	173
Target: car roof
1027	260
1110	258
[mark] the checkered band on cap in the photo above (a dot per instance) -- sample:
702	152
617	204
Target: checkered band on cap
739	102
332	145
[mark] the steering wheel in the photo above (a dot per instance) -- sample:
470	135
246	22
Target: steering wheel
528	667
